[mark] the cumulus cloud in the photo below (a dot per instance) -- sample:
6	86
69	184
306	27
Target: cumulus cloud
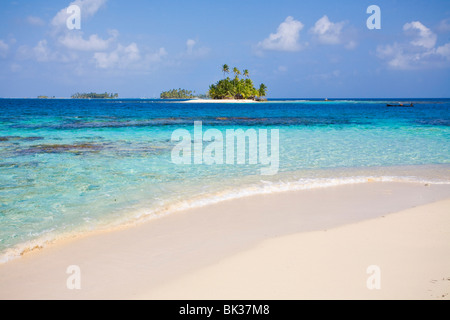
420	52
328	32
424	37
64	43
43	53
121	57
3	49
286	38
85	51
129	57
75	41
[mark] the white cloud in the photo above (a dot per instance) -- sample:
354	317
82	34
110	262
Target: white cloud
444	50
420	52
328	32
397	59
286	38
84	51
121	57
35	21
75	41
43	53
4	48
424	36
333	33
129	57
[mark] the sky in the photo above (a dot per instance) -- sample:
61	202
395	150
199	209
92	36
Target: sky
298	49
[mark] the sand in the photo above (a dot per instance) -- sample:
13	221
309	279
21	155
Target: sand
219	101
310	244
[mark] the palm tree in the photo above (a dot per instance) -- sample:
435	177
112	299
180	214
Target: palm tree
236	72
262	90
246	74
225	69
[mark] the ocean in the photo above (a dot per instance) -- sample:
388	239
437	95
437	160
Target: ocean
69	167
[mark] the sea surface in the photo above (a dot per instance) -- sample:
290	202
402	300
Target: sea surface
74	166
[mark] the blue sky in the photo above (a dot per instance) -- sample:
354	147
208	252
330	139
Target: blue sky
299	49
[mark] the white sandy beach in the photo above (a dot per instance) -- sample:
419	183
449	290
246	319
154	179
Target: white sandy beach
310	244
410	249
219	101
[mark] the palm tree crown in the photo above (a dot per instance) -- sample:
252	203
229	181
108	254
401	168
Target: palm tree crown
236	71
225	69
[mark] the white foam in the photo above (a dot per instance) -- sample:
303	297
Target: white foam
268	187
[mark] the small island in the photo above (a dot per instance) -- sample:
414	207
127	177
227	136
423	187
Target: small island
241	89
45	97
93	95
177	94
237	88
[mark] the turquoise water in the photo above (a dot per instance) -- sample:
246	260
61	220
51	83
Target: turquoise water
70	166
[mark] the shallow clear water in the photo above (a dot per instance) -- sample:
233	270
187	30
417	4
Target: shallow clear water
76	165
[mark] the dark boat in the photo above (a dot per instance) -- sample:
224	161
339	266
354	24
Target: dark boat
400	105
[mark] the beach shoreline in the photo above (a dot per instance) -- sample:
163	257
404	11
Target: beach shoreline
220	101
145	260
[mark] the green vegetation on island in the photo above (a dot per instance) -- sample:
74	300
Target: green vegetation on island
177	94
93	95
236	88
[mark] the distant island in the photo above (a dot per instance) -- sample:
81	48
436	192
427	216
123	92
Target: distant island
45	97
93	95
225	89
237	88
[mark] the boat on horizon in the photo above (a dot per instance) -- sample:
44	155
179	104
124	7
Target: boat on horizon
400	105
